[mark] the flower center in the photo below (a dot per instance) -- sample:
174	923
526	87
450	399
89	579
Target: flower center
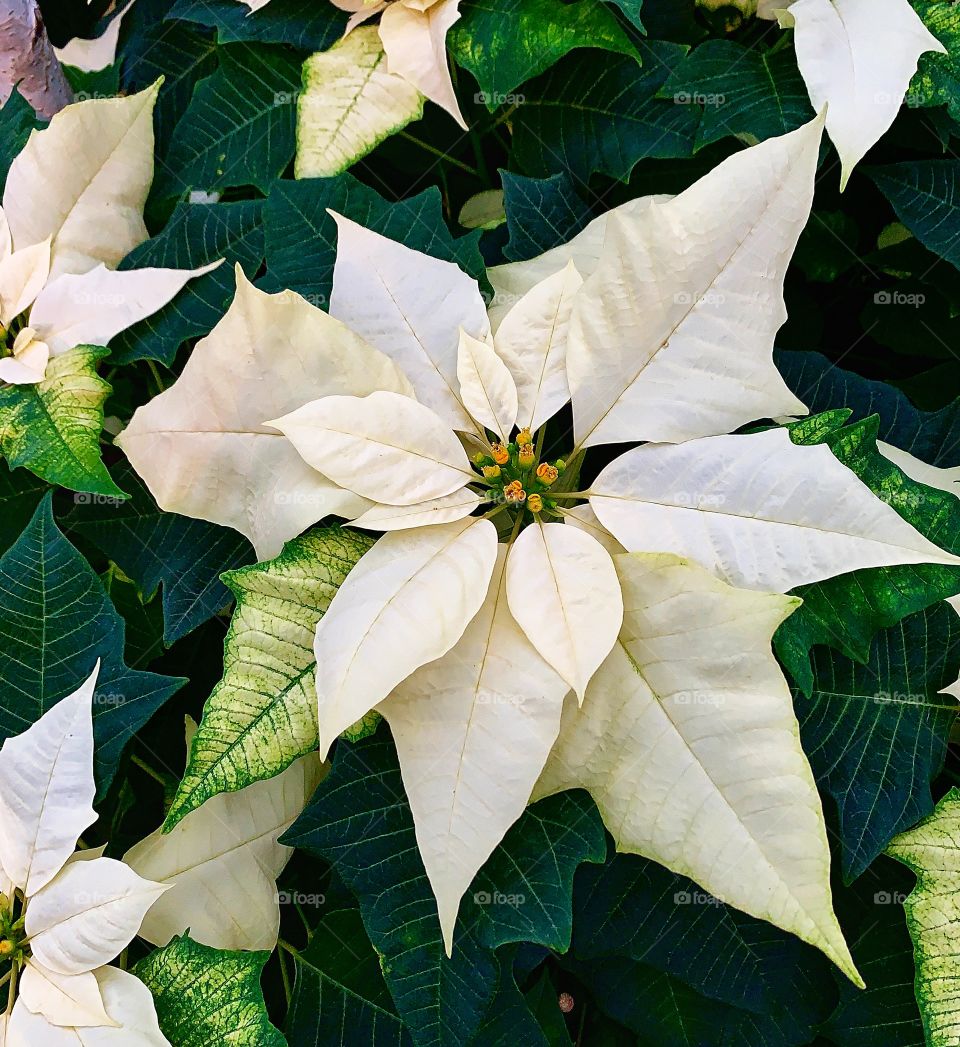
516	477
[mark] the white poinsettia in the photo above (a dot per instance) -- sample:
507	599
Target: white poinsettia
413	35
65	226
493	593
63	915
857	57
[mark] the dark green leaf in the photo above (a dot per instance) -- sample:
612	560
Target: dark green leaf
305	24
509	1020
925	194
20	494
55	622
209	997
542	1001
340	998
504	43
664	1012
635	907
153	547
739	90
359	820
179	53
876	734
933	436
144	620
301	237
871	914
239	127
17	120
846	612
541	213
585	116
828	246
196	235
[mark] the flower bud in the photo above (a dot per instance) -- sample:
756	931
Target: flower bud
535	503
491	472
514	492
547	474
500	454
524	436
526	455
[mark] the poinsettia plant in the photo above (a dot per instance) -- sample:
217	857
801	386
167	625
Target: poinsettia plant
513	443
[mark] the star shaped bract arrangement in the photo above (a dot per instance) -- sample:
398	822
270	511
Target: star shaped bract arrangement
522	631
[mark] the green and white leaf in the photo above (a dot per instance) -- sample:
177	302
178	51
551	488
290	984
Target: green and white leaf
263	713
938	78
209	997
932	851
53	428
349	104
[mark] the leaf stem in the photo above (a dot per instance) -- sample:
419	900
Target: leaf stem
439	152
147	769
287	991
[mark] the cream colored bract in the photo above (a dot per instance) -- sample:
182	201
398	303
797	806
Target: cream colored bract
499	587
857	57
64	915
65	226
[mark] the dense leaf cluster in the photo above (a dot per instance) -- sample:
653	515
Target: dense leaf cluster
573	108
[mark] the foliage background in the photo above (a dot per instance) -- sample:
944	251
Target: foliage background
573	108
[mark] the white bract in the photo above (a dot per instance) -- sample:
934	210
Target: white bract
65	916
64	226
469	621
413	36
857	57
222	862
